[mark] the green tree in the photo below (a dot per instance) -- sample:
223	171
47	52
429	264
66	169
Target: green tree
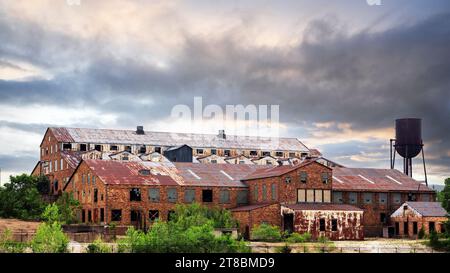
266	233
445	195
20	198
67	206
50	237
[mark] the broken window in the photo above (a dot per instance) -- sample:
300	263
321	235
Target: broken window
116	215
224	197
367	198
114	148
127	148
265	153
213	151
291	154
288	180
153	194
383	218
303	177
279	154
337	197
242	197
102	215
353	197
334	225
189	195
207	196
83	147
142	149
95	195
153	215
264	192
382	198
322	224
227	152
98	148
397	198
325	178
199	151
158	150
412	197
135	194
67	146
253	153
172	195
274	192
145	172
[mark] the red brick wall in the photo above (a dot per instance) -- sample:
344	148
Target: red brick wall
269	214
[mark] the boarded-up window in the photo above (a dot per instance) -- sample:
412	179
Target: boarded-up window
318	196
242	197
327	196
337	197
189	195
153	195
310	196
274	192
255	193
382	197
116	215
397	199
224	196
264	192
153	215
353	197
172	195
301	195
367	198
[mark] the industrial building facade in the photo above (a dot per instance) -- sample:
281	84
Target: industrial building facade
137	187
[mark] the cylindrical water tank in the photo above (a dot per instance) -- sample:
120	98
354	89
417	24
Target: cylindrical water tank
408	137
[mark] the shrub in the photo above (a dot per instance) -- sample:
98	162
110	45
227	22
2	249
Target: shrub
421	234
298	238
98	246
434	239
49	238
266	233
286	249
8	245
323	240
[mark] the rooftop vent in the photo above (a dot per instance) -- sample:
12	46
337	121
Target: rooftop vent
145	172
222	134
140	130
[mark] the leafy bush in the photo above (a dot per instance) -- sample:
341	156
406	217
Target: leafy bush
50	237
286	249
434	239
8	245
421	234
266	233
190	231
98	246
298	238
323	240
67	206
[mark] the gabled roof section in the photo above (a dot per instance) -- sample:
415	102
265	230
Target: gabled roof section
425	209
380	180
107	136
280	170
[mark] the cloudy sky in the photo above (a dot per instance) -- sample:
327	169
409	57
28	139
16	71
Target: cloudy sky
341	70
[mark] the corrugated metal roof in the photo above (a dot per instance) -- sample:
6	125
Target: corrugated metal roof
107	136
185	174
428	209
278	170
72	158
323	206
364	179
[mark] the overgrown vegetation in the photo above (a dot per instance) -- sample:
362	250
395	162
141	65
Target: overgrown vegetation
8	245
266	233
67	206
442	241
21	197
299	238
189	231
98	246
50	237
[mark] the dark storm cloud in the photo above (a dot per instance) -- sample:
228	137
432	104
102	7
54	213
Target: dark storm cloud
367	78
18	163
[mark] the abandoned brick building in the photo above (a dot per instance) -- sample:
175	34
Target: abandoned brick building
411	217
62	149
311	195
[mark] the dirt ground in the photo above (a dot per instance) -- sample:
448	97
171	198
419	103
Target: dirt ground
17	226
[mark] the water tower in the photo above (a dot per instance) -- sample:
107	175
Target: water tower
408	143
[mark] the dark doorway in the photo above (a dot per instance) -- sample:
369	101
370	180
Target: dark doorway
247	233
406	228
431	227
415	228
397	228
288	222
136	219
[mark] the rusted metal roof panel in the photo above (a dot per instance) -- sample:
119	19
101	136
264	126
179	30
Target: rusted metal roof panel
323	206
72	158
107	136
250	207
428	209
279	170
365	179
